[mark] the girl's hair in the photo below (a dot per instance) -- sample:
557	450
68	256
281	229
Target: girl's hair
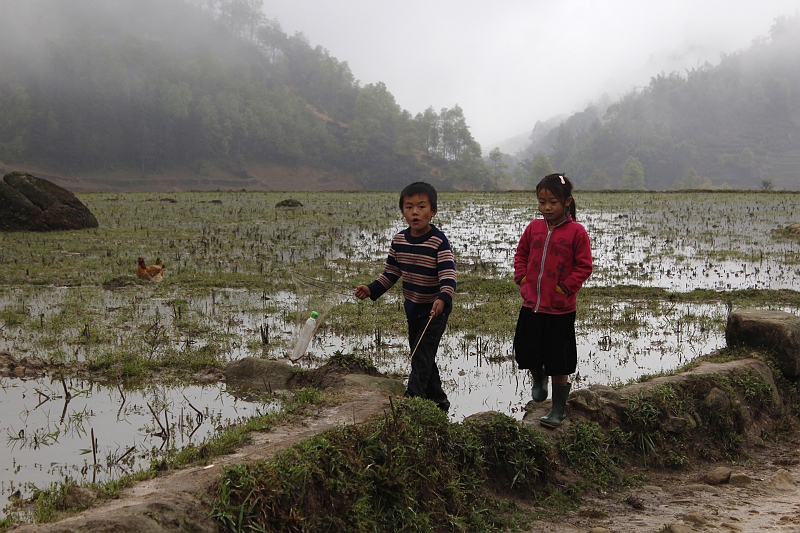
561	187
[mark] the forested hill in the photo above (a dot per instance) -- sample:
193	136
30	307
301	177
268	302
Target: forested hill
177	85
736	123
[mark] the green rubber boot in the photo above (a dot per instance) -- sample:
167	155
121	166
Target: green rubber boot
556	415
539	391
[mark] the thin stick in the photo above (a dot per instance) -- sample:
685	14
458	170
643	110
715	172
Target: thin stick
124	455
164	433
67	394
420	337
94	455
190	405
418	341
94	449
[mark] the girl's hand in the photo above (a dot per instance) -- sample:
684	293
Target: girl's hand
438	307
361	292
523	280
559	290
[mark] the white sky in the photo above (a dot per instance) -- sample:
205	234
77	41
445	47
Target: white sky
510	63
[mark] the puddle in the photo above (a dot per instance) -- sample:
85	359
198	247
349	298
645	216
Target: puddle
617	343
479	373
81	323
47	436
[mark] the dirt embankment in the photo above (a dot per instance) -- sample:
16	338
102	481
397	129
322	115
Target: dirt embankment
251	177
756	494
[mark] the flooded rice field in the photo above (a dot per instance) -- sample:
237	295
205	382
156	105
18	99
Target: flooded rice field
629	340
679	242
242	275
49	426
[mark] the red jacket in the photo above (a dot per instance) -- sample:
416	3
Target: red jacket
567	258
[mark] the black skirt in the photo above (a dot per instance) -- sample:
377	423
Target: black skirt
543	340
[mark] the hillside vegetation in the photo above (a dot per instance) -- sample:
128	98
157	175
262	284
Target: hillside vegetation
159	85
138	90
735	123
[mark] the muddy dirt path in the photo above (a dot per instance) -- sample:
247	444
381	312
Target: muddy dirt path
764	496
761	492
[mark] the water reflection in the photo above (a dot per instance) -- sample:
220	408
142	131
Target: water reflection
91	432
678	242
479	373
88	431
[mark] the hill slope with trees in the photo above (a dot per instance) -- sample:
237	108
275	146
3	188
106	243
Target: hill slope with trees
160	87
734	124
171	85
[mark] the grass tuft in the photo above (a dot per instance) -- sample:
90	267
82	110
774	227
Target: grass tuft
594	454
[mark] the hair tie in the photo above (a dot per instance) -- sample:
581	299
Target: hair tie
562	179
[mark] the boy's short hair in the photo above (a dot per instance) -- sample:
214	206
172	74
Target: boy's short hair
419	187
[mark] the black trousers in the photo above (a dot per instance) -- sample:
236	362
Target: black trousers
424	380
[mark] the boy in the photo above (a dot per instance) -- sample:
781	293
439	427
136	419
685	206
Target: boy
420	254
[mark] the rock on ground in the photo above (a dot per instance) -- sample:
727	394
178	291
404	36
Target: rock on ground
28	203
776	332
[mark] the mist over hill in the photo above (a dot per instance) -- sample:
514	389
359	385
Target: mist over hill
169	85
735	124
155	88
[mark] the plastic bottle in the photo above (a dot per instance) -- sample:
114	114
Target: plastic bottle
305	336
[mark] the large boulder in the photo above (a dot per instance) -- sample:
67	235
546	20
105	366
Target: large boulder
777	332
28	203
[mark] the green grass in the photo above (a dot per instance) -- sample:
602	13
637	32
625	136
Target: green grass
410	471
413	470
714	430
594	454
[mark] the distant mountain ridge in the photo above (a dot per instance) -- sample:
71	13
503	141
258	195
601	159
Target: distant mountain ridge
735	124
512	145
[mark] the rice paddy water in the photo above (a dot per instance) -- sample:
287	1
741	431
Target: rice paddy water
231	291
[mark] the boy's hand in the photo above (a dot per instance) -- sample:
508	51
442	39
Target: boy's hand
438	307
362	291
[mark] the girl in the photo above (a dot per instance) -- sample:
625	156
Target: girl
552	261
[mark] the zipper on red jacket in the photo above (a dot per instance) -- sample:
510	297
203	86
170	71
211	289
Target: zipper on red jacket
541	269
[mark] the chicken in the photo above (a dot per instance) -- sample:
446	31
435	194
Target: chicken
149	273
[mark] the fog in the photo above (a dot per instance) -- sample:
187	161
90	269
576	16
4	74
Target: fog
507	63
34	24
510	63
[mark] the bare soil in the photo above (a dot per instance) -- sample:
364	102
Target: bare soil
685	501
254	177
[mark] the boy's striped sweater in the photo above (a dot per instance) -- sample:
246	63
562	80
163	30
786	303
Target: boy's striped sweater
427	267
